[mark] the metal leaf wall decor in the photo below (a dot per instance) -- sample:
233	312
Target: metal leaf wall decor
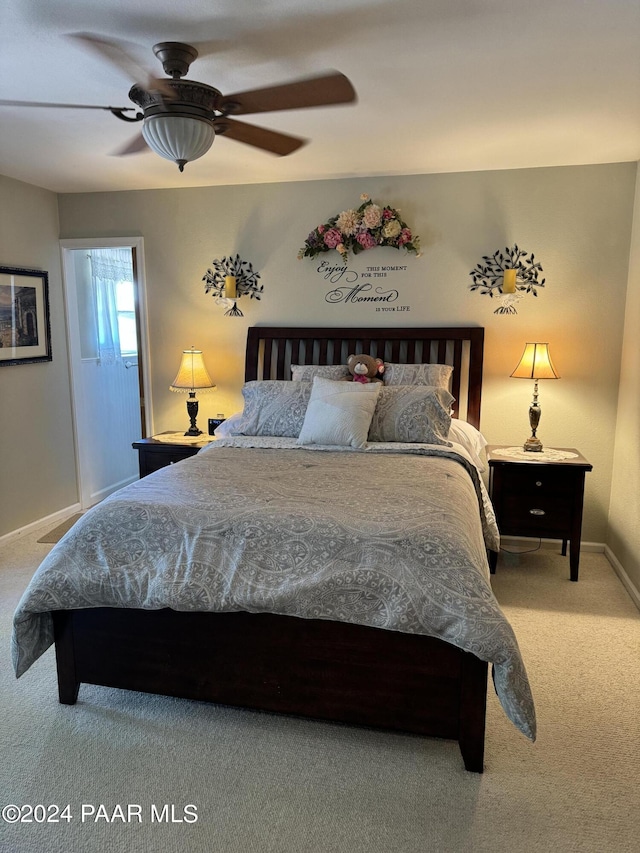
488	277
246	282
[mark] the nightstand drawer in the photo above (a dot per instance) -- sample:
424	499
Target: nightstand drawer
155	461
550	486
166	449
536	480
535	515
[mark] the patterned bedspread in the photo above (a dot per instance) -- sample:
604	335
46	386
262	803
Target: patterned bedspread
392	536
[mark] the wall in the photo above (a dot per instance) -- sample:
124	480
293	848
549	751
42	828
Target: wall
37	460
577	221
624	514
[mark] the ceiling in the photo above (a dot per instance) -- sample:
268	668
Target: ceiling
443	86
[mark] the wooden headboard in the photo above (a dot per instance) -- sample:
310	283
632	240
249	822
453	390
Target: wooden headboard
271	350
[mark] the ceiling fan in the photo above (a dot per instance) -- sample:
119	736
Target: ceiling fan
181	118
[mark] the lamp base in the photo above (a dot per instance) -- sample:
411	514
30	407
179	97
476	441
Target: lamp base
533	444
192	410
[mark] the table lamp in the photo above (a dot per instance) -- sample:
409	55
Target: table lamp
192	376
535	364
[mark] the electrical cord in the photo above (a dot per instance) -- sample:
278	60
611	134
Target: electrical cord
526	551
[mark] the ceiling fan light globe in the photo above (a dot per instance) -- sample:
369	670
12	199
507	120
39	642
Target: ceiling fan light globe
178	138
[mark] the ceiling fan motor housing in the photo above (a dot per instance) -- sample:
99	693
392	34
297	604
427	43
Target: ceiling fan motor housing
191	99
175	57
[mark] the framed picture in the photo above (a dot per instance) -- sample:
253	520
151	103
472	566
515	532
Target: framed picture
25	331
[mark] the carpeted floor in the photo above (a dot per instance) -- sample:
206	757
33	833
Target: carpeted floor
56	534
277	785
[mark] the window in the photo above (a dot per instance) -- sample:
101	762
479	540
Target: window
115	304
126	312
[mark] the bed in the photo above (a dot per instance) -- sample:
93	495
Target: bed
309	642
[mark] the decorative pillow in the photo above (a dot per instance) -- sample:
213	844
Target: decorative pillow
339	413
413	413
229	426
308	372
436	375
471	439
273	407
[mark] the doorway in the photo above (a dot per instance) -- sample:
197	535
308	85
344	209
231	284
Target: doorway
108	357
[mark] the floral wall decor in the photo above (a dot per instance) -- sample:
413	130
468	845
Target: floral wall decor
368	226
228	280
509	276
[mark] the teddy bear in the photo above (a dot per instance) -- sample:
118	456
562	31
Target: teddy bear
365	368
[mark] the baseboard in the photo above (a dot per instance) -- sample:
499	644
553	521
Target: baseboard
624	577
49	521
96	497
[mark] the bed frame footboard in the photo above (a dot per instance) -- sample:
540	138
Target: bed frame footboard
68	682
304	667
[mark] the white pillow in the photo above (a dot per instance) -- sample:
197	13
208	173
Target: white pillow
471	439
418	374
339	413
229	426
308	372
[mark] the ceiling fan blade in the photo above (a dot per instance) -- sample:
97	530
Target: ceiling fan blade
64	106
260	137
137	145
320	91
116	53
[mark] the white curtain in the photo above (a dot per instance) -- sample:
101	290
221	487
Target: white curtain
108	267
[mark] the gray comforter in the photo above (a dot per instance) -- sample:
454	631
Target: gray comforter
393	537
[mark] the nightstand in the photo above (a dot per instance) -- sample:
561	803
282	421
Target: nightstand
167	448
539	495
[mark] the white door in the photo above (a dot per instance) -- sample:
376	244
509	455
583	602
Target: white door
107	351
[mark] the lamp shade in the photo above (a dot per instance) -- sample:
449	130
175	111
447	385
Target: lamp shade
192	374
535	363
178	138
